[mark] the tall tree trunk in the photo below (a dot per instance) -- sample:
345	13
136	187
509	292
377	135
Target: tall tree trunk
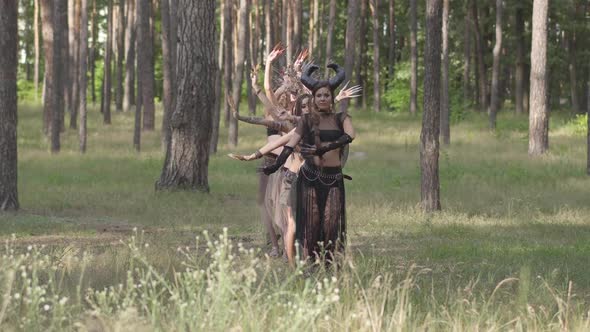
539	108
349	44
70	70
495	100
467	58
228	58
588	126
253	55
145	65
8	105
481	69
289	30
413	57
268	22
186	165
391	48
572	67
120	55
76	64
26	41
240	57
376	84
314	10
330	32
130	31
297	25
82	72
93	52
139	12
106	92
445	111
218	80
59	12
429	144
47	30
362	50
520	62
37	48
167	68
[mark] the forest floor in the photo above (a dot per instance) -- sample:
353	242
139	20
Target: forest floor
505	215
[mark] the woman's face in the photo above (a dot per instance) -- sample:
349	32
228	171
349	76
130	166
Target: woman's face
323	99
305	106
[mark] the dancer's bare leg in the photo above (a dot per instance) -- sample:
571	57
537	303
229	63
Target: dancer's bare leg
290	237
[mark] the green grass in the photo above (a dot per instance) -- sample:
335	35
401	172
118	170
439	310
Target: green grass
505	215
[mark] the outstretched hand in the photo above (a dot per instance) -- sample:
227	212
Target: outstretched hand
276	52
300	58
241	157
349	93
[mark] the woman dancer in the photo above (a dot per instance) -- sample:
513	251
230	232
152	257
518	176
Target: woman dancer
320	212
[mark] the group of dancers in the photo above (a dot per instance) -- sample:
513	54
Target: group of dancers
301	185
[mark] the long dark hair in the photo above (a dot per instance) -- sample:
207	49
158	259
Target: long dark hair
297	111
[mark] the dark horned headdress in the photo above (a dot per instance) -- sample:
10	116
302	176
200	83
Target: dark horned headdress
314	84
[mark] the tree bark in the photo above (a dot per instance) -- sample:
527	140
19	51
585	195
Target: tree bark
413	58
572	67
130	32
520	62
314	10
120	55
362	50
228	58
268	22
240	57
76	64
8	105
218	80
145	64
138	95
297	25
495	99
59	12
481	69
106	89
376	84
445	111
330	32
429	144
186	166
539	108
588	126
37	48
391	50
93	51
69	74
168	68
47	30
349	44
467	58
82	72
253	55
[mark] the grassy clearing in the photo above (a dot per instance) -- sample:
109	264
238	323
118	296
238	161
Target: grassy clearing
509	251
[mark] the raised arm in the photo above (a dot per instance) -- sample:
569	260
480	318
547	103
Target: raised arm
275	53
282	126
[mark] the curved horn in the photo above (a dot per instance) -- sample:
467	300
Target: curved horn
306	77
338	78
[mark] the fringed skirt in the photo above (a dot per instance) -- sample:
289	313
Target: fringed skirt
320	213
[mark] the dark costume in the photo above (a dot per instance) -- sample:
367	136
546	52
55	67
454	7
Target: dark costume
320	203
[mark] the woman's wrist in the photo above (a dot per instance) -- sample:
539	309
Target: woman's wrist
257	154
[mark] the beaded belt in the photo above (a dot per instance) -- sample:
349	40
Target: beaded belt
312	175
289	176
